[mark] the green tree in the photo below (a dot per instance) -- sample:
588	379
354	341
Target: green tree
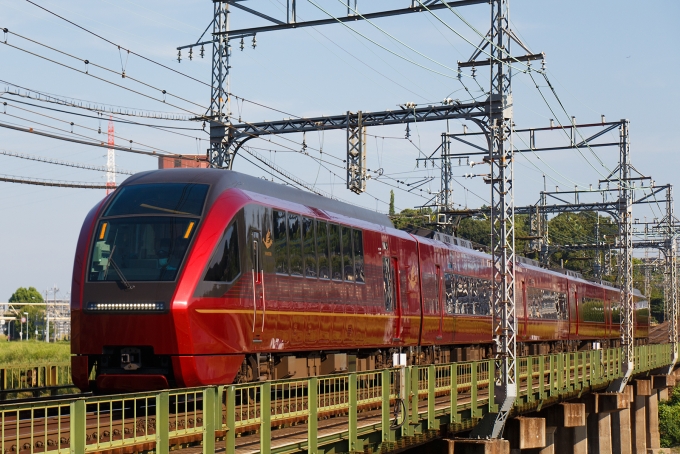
26	295
579	228
478	230
36	314
392	212
410	217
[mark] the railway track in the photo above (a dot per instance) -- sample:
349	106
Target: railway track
135	421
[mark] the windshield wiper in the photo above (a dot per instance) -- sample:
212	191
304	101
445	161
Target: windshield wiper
112	262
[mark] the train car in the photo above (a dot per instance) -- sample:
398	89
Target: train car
188	277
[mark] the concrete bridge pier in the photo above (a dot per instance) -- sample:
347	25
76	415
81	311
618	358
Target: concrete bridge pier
601	423
569	420
622	434
599	408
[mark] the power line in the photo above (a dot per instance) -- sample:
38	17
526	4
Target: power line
72	125
92	106
151	60
94	144
62	163
168	129
53	183
198	116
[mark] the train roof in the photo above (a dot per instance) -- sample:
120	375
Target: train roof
222	179
456	243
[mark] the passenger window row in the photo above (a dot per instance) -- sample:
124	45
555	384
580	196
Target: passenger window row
316	249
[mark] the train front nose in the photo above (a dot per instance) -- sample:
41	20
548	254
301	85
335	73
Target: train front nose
127	345
124	327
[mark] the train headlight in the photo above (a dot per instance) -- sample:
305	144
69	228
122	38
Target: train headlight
147	307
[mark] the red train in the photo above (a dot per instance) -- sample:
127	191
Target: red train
189	277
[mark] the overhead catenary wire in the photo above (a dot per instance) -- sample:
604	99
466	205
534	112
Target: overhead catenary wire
99	144
91	106
113	118
198	116
72	125
150	59
63	163
282	7
396	54
53	183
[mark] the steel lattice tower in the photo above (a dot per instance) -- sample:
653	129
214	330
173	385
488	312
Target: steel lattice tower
218	154
502	218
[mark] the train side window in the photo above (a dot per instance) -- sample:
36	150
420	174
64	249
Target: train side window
592	310
322	249
309	247
467	295
546	304
450	293
347	254
358	255
336	251
616	311
280	242
388	282
295	244
224	264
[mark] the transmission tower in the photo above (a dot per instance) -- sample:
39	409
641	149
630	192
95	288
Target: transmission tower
111	160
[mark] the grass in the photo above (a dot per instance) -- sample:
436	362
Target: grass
32	352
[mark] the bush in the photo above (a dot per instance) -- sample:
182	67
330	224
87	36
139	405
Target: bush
669	420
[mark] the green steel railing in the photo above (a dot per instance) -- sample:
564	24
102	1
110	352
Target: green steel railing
33	377
360	406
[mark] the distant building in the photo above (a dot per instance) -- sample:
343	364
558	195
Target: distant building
195	162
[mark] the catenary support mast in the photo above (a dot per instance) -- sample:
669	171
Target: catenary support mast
625	259
219	96
502	219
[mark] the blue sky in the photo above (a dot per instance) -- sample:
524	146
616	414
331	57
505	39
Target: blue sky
617	58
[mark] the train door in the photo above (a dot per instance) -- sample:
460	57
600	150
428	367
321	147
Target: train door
521	311
439	283
259	301
573	311
399	312
392	297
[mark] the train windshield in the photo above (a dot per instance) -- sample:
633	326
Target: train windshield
145	248
184	199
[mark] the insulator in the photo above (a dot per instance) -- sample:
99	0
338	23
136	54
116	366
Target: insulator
202	51
179	56
242	44
543	65
254	42
474	72
191	53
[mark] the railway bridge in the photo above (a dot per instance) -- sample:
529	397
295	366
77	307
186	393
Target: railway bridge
562	406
